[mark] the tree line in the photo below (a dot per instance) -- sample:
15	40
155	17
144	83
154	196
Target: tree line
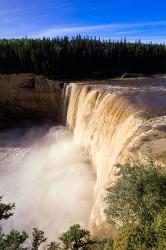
80	57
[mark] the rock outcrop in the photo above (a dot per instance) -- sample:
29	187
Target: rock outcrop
27	96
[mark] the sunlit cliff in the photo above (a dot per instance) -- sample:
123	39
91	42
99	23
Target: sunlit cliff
114	124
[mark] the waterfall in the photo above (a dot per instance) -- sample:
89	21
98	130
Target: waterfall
65	171
111	126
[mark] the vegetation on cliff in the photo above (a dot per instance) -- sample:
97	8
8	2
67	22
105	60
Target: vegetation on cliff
80	57
136	205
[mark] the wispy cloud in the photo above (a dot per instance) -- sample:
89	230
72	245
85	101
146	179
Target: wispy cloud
10	11
154	39
7	12
116	28
68	30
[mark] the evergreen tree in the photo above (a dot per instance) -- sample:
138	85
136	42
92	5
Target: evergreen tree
80	57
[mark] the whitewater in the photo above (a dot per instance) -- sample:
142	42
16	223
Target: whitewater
48	177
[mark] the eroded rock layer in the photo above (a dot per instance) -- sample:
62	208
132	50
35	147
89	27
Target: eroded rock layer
28	96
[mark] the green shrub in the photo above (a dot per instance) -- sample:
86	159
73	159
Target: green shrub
102	243
5	210
136	206
131	75
159	227
75	238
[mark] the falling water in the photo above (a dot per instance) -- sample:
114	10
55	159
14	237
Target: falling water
48	177
113	124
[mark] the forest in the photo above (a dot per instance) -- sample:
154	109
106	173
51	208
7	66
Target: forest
80	57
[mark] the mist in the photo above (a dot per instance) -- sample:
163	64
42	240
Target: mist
49	178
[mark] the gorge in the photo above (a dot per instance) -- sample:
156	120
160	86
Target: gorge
106	123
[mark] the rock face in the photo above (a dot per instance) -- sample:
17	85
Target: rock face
114	124
26	96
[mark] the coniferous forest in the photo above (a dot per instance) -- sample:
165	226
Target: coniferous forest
80	57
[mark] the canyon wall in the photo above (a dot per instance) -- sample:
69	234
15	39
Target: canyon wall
114	124
27	96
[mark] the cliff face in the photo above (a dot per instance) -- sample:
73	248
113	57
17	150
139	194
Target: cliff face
113	124
28	96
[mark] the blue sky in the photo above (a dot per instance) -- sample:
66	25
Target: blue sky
115	19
